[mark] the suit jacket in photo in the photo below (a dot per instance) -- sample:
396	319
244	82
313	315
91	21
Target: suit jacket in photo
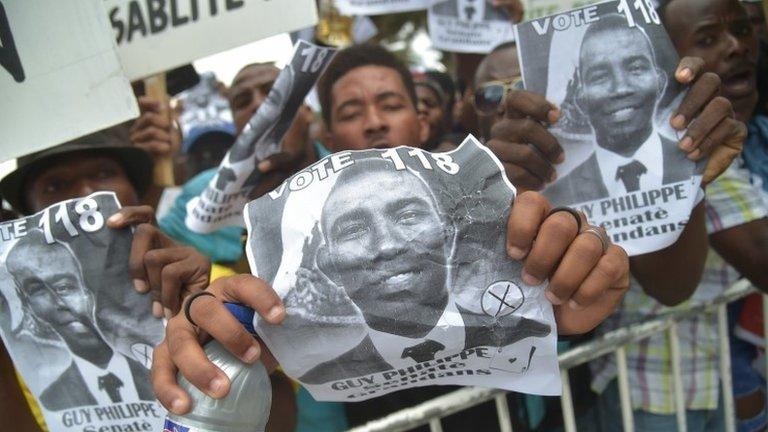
585	182
70	390
365	359
451	8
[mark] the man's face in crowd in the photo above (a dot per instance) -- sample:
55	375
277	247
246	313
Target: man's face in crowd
386	246
619	87
371	109
56	293
76	175
719	31
249	90
501	65
432	109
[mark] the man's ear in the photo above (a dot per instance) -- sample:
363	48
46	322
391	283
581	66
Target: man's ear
423	130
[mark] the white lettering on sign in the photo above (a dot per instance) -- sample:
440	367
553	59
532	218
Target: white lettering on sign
566	20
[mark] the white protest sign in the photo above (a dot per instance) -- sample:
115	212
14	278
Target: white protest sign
468	26
380	7
158	35
60	76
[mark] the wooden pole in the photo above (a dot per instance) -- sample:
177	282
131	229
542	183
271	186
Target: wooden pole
155	87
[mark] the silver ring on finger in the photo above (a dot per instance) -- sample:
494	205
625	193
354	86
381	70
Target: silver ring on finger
600	236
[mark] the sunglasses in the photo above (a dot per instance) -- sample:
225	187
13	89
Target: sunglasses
490	95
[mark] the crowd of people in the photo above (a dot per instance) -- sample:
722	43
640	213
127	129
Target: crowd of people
370	99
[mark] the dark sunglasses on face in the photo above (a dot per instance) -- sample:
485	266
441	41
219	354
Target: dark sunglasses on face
490	95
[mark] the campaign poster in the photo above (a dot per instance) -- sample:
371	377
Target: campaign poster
394	274
221	203
468	26
76	329
610	68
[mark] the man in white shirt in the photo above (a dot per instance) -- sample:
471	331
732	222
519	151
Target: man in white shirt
388	247
50	285
618	91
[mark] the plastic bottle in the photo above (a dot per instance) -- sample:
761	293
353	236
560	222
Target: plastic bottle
244	409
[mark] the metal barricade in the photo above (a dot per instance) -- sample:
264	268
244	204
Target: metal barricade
430	412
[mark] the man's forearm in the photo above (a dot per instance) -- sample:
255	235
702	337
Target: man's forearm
671	275
745	247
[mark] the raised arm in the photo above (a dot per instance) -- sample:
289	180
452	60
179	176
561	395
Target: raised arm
671	275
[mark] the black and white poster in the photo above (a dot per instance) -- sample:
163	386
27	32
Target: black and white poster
393	270
468	26
77	331
610	68
221	203
379	7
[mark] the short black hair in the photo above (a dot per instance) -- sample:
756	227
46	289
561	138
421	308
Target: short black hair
352	58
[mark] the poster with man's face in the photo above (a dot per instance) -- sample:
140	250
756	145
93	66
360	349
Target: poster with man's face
610	68
76	329
468	26
221	203
393	270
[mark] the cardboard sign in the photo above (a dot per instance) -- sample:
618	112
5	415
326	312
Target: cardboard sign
157	35
60	76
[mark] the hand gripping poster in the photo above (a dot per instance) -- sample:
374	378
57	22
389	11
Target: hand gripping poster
221	203
610	68
393	271
76	329
468	26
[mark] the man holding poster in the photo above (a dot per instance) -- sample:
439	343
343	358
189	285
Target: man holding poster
360	112
364	113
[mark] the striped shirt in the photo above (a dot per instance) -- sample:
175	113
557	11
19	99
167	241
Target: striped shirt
731	200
